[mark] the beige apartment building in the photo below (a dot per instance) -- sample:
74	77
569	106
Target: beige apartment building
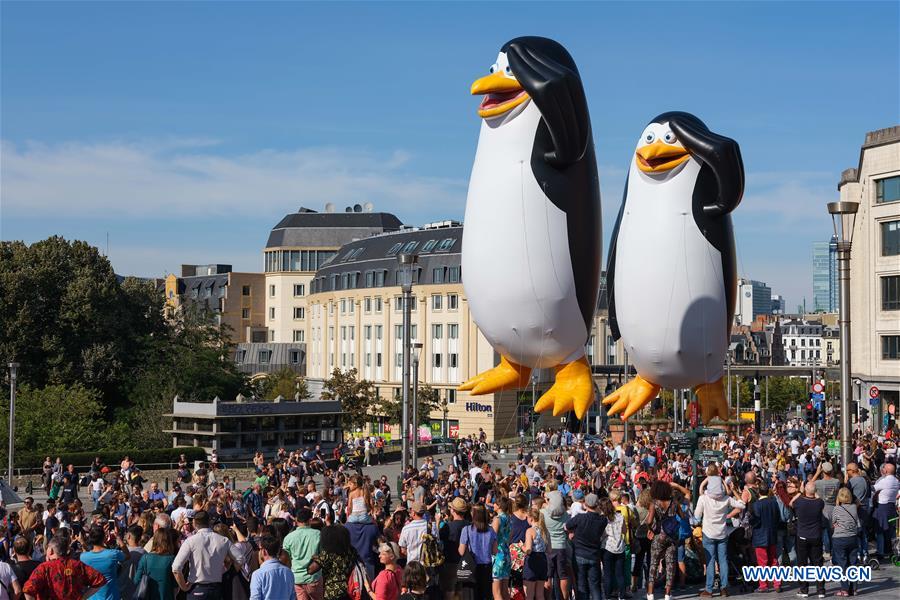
300	244
875	272
236	299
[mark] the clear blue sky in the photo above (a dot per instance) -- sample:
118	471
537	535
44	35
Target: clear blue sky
186	131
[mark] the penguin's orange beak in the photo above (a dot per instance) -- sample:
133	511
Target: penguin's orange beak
501	94
659	157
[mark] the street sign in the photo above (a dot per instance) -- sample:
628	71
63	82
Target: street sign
709	455
874	392
834	446
818	396
818	388
695	414
707	431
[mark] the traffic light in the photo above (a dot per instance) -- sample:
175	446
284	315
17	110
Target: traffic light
810	414
863	415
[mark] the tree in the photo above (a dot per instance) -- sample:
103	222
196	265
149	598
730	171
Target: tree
57	418
357	397
428	400
285	383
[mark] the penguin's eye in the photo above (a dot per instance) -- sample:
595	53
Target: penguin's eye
508	70
493	68
649	137
670	138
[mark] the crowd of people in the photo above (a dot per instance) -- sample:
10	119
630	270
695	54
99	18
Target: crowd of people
565	516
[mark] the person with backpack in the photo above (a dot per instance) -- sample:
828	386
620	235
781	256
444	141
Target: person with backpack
714	515
663	535
613	553
450	534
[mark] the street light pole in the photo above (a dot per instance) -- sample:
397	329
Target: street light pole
417	348
406	267
843	217
533	403
13	368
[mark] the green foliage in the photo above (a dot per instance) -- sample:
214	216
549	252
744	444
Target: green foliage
428	400
357	397
102	349
141	457
285	383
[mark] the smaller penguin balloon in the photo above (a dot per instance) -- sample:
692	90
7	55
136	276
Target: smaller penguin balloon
671	275
532	242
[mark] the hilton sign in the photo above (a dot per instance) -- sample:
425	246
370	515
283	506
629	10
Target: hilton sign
478	407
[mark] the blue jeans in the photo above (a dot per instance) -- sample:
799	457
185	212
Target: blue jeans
843	554
716	550
587	577
613	574
785	545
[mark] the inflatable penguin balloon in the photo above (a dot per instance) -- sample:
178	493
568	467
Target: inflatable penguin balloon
671	274
532	248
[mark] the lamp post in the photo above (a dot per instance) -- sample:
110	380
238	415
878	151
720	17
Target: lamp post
13	368
416	350
533	403
405	275
843	217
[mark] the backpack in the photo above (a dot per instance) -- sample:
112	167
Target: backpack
430	555
356	582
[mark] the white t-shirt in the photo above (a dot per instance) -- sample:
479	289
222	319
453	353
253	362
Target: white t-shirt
795	447
97	485
7	576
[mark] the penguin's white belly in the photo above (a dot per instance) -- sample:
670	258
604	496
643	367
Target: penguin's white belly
516	268
669	287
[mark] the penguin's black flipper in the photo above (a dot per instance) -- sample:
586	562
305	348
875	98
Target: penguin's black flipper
722	155
558	93
611	271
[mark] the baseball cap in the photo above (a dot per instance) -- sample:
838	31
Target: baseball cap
578	494
591	501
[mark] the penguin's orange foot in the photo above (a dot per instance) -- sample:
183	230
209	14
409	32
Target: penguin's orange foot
631	397
505	376
572	390
712	400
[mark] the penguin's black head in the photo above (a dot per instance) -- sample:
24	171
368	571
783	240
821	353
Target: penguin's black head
503	89
659	151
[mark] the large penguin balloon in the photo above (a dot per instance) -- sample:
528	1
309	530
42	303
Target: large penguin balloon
532	241
671	275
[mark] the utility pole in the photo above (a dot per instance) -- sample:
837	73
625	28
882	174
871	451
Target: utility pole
13	374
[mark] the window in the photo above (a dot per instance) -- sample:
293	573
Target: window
398	332
398	303
370	279
394	249
802	341
436	361
446	244
453	358
378	359
245	290
343	305
437	331
379	278
331	334
453	331
890	347
240	355
803	354
245	313
452	301
271	312
378	330
451	396
890	292
351	304
299	312
453	275
436	301
890	238
887	190
299	335
378	305
429	246
367	332
299	289
294	356
409	247
367	305
271	291
437	275
264	357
